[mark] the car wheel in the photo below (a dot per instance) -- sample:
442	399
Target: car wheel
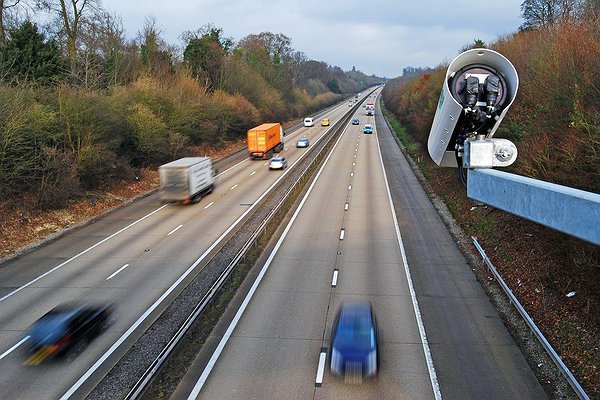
76	350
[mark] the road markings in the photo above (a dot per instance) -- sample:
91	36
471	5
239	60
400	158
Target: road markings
7	352
234	186
174	230
349	187
31	282
171	288
217	353
346	207
335	278
117	271
342	234
424	342
321	368
267	163
253	172
209	204
351	173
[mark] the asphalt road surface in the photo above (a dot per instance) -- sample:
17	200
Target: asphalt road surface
137	258
440	336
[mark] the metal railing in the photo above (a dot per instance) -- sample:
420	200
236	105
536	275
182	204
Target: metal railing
211	294
562	368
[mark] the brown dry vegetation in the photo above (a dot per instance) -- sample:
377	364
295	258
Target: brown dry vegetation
555	123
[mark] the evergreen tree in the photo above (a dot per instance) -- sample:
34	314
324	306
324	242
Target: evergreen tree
28	56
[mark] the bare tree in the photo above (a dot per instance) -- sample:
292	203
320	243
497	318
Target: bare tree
5	6
71	14
540	14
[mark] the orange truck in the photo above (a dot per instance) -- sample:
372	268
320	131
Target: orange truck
264	140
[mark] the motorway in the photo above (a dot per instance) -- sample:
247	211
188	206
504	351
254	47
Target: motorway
137	258
440	336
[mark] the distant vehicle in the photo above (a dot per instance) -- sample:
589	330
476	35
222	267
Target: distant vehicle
350	104
278	163
65	332
325	122
370	109
302	142
364	105
187	179
354	342
264	140
309	122
368	128
355	121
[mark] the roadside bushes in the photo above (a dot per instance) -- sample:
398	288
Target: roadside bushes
555	119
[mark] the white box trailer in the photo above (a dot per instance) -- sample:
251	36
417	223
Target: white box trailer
186	179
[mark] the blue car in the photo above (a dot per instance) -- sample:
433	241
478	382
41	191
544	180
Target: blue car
368	128
355	121
354	342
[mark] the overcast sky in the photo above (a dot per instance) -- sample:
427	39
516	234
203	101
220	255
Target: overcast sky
378	37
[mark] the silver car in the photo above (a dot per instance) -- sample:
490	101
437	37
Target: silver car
278	163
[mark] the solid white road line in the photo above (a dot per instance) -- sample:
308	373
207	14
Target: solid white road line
117	271
426	350
7	352
321	368
217	353
335	278
209	204
174	230
31	282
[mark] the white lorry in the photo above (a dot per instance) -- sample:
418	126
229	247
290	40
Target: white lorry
187	179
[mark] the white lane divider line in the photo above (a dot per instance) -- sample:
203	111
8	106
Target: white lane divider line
31	282
335	277
435	386
346	206
174	230
349	187
7	352
253	172
209	204
217	353
234	186
342	234
321	368
267	163
351	173
117	271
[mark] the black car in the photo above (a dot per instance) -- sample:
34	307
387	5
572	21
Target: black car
65	331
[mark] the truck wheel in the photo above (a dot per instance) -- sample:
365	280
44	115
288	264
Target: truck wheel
196	199
269	154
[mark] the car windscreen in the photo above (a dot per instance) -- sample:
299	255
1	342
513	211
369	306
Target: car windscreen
355	332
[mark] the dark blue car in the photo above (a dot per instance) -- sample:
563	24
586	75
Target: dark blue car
355	121
354	342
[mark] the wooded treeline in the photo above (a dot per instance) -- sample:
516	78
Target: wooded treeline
82	105
555	120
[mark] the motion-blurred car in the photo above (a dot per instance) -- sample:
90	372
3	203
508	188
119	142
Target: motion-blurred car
368	128
355	121
278	163
325	122
354	342
65	331
302	142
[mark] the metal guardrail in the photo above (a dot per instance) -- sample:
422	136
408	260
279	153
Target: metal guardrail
562	368
148	375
